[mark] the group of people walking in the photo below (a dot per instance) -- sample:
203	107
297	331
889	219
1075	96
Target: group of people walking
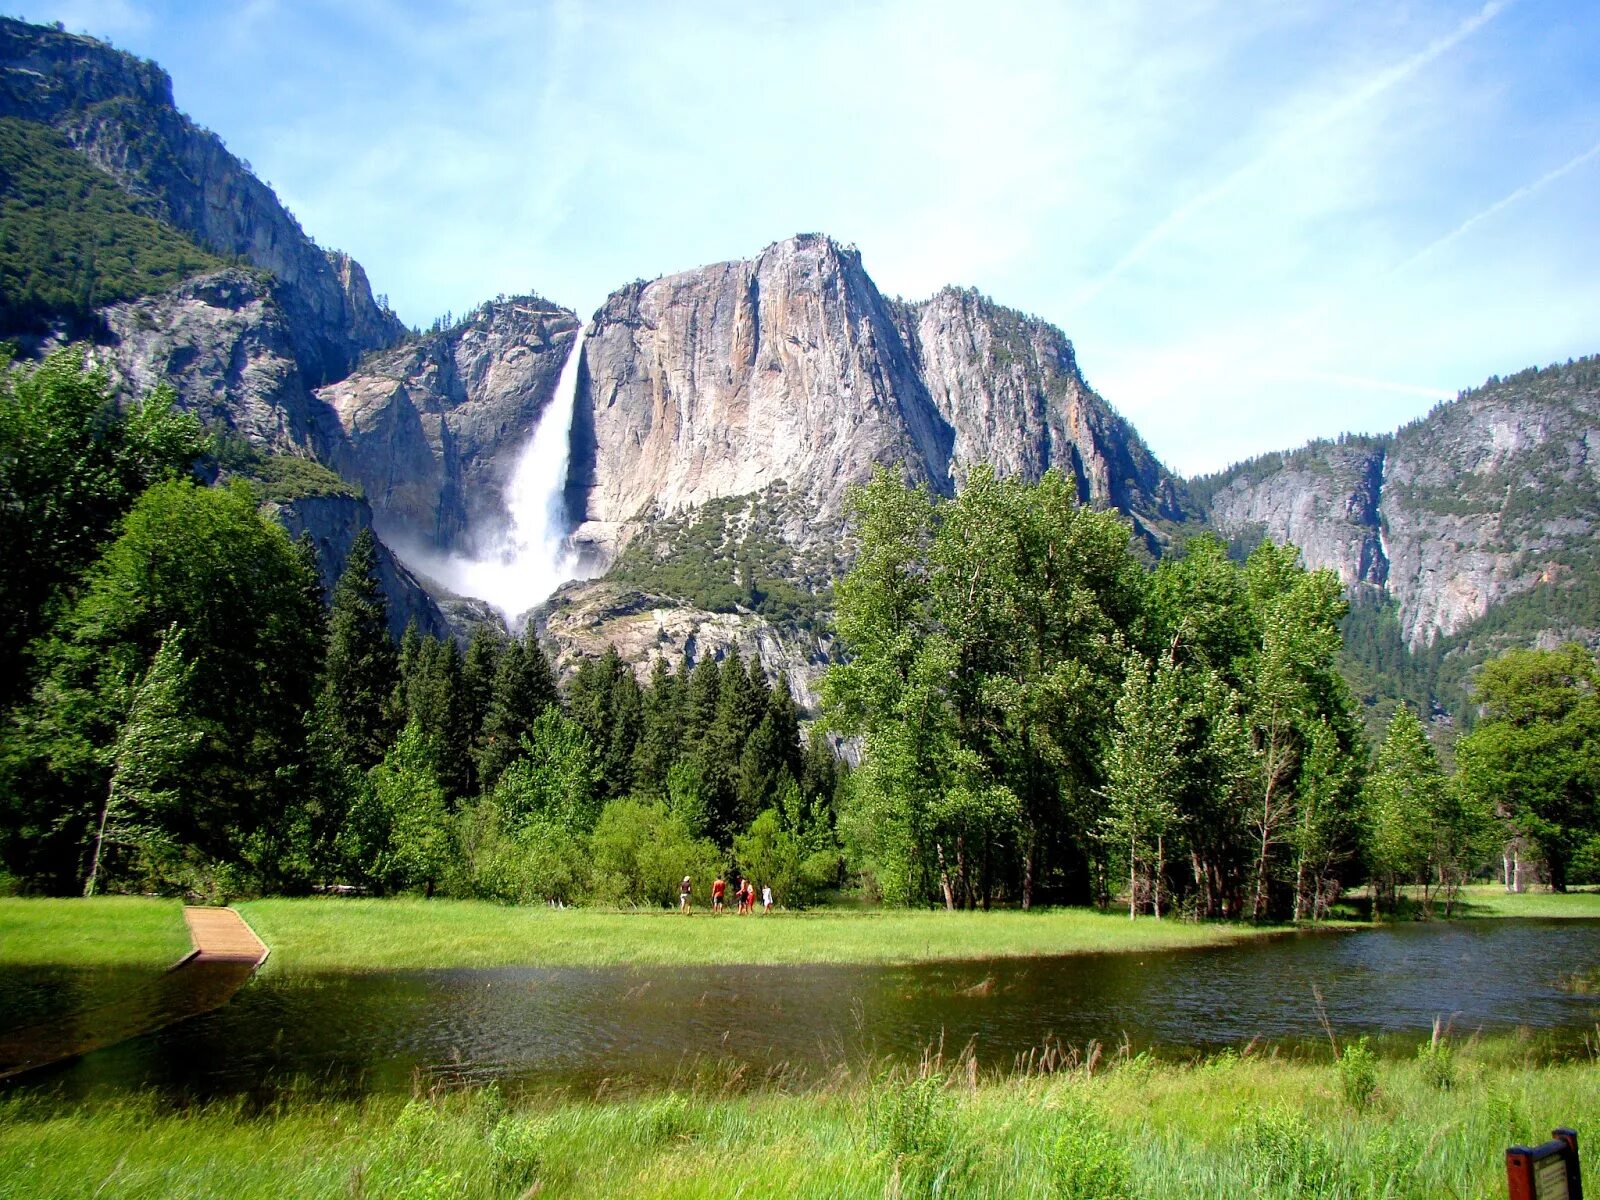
744	893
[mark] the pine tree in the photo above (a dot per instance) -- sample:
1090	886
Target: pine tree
147	758
524	686
478	672
659	738
362	665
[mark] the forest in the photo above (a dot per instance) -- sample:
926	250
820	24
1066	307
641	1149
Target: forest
1038	716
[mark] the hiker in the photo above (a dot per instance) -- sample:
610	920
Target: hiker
719	889
747	897
684	889
766	897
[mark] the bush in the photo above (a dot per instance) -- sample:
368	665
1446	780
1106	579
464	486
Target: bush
1088	1161
1437	1058
640	851
1285	1152
1358	1075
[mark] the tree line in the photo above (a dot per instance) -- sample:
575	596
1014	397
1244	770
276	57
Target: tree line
1039	717
1043	718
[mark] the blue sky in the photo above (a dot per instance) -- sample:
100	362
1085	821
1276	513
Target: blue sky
1260	221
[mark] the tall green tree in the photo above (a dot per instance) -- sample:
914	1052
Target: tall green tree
524	686
205	562
1405	791
398	835
1536	751
661	734
71	464
1142	786
148	761
362	666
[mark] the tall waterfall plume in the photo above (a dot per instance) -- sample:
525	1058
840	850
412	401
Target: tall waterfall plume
530	558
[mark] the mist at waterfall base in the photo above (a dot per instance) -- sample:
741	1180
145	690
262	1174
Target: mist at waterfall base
520	565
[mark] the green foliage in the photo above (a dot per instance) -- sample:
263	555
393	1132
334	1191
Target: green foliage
1285	1152
398	835
912	1124
523	688
71	240
71	464
1536	753
362	666
1090	1160
1437	1060
1358	1075
640	852
729	556
203	561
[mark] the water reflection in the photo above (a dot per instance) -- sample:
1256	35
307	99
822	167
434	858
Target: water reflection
541	1028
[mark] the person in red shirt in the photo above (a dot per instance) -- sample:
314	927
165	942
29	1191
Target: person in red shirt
718	890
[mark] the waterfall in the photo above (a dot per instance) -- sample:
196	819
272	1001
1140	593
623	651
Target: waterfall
530	558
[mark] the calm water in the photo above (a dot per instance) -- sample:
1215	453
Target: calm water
589	1030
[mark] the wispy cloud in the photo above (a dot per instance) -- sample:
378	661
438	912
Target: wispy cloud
1499	206
1290	140
1210	196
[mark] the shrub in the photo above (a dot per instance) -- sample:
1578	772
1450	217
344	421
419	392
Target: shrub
1088	1162
1358	1075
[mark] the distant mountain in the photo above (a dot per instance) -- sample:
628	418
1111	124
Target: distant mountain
1460	534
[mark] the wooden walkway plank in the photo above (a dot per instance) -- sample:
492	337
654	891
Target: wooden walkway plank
221	935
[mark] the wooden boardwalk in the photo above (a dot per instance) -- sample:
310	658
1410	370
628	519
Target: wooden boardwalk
221	935
226	953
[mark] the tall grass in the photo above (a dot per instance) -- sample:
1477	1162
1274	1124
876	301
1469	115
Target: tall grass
1092	1127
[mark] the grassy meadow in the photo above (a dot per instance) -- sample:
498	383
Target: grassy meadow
1228	1126
344	934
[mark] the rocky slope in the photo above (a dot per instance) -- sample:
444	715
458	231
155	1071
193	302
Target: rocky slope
1492	496
431	429
243	347
118	111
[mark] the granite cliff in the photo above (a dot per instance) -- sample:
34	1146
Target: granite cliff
792	368
431	429
1491	496
723	413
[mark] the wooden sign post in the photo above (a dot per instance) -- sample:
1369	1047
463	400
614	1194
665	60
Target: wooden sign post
1547	1172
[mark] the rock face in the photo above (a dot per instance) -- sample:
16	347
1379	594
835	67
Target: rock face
1324	502
118	111
1009	387
223	342
587	618
792	368
431	429
1489	497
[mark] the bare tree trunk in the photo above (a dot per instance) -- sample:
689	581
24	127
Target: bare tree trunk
99	840
1027	874
944	881
1133	881
1161	869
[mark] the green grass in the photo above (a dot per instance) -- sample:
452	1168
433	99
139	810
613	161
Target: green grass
342	934
1492	900
1267	1128
106	931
